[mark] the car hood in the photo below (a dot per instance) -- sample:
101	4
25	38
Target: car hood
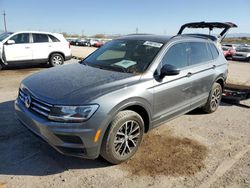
75	84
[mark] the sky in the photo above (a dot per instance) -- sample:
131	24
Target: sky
91	17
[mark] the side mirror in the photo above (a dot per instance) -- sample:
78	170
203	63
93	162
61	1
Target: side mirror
169	70
10	42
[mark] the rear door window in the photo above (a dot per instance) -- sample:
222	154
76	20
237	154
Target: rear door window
199	53
40	38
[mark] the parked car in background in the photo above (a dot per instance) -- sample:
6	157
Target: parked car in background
98	44
232	46
228	51
242	54
75	42
93	42
106	103
84	42
26	47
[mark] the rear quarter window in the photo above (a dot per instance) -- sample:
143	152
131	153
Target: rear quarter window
214	50
53	38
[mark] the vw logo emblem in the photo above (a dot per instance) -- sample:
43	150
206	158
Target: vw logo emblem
27	101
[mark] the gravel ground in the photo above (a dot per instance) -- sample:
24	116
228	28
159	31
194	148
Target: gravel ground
194	150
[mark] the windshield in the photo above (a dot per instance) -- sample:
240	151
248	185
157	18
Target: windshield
130	56
243	49
4	36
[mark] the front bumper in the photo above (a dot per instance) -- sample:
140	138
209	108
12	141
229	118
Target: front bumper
74	139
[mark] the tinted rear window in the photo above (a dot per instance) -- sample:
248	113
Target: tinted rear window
199	53
39	38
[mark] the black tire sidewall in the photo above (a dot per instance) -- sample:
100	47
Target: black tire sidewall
51	59
111	155
208	105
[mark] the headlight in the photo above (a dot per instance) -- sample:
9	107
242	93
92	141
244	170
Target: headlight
72	113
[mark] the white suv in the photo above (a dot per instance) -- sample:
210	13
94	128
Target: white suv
33	47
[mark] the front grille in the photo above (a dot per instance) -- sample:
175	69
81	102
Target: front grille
36	105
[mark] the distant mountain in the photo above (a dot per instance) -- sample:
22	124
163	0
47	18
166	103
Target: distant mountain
238	35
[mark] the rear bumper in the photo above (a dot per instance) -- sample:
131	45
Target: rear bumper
68	57
66	138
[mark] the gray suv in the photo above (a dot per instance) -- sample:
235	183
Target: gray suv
104	104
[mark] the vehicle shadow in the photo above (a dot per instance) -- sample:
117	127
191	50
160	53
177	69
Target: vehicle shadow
22	153
26	66
199	111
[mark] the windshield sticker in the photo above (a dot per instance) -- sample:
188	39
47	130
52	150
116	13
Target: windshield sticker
153	44
125	63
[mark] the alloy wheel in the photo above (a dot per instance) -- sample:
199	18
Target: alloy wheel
57	60
126	138
216	97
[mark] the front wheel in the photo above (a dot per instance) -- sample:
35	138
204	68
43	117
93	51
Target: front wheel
123	137
214	99
56	59
1	66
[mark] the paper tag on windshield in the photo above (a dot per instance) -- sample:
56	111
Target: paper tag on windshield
153	44
125	63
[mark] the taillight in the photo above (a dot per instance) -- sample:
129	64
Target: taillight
69	44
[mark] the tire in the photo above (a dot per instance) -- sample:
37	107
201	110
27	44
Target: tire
126	146
214	99
1	66
56	59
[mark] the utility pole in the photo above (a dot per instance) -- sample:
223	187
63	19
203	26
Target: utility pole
136	30
82	33
4	20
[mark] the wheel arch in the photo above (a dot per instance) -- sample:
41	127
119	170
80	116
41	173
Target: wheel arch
138	105
56	52
221	80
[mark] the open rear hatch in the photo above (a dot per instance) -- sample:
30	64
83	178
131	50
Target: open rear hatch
210	25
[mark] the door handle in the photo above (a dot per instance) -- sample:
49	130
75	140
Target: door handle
49	46
189	74
27	47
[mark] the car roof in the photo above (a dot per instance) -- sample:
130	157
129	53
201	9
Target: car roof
164	38
40	32
147	37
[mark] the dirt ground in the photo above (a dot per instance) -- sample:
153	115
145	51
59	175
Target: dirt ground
194	150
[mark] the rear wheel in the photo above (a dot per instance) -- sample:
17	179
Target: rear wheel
123	137
214	99
56	59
